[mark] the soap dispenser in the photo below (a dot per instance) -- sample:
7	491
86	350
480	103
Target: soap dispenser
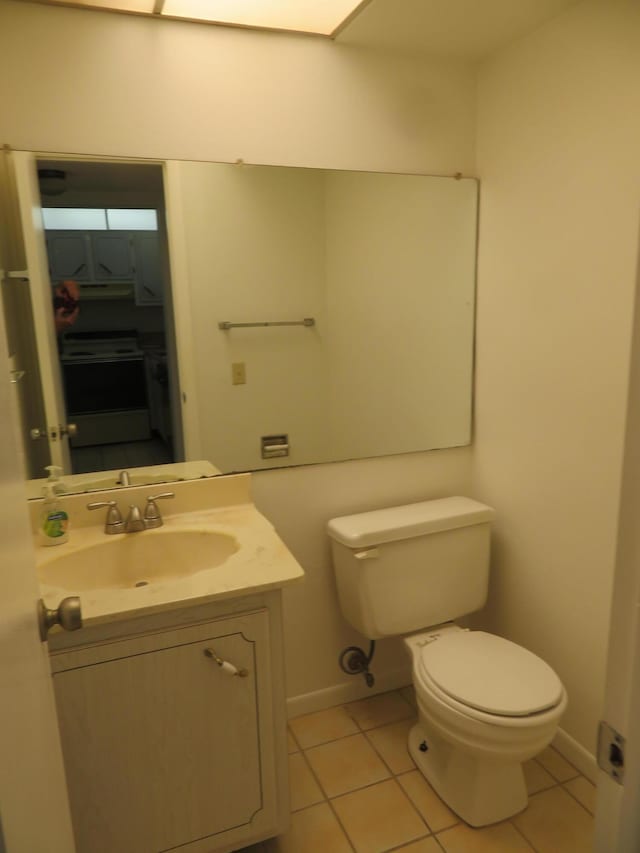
54	521
54	480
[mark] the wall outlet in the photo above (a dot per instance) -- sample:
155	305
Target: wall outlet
238	373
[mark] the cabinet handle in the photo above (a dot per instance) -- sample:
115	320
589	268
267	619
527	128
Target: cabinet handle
224	665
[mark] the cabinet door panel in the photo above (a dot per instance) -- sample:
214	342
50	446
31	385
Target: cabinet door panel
68	256
149	280
111	256
162	747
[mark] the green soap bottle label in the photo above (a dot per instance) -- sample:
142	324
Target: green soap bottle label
55	524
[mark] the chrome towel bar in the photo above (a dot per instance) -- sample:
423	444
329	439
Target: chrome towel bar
226	325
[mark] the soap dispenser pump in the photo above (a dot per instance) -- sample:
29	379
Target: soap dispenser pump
54	480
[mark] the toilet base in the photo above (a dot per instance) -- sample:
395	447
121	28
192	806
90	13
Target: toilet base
479	790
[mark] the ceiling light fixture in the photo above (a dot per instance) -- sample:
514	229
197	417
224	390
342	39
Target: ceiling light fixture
318	17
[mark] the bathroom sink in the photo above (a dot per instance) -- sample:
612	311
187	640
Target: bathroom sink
137	559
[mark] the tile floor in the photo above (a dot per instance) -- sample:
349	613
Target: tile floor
354	787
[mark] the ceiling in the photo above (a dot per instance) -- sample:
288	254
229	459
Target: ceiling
460	29
466	30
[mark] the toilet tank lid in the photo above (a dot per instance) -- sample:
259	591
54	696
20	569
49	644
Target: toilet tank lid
404	522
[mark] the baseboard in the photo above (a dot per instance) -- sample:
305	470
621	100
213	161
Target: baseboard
338	694
575	753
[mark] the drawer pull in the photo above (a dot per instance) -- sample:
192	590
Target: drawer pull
224	665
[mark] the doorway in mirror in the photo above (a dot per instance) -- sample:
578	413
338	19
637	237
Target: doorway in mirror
105	233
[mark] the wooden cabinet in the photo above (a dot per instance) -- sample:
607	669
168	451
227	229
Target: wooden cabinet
163	748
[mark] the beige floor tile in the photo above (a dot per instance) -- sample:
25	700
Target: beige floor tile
584	791
437	815
313	830
536	777
346	764
499	838
425	845
391	743
304	789
555	764
553	822
379	817
379	710
323	726
292	746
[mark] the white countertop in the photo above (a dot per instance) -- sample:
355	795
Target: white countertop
222	505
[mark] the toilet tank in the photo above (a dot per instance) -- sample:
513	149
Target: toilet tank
409	567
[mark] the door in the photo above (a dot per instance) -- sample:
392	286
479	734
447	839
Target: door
33	794
53	431
617	823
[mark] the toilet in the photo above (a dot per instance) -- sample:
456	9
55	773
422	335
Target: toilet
485	704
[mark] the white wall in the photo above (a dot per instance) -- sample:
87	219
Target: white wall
87	82
559	161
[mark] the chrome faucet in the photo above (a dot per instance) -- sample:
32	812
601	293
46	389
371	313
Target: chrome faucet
135	521
114	522
152	517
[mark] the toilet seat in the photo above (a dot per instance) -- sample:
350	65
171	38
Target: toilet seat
488	674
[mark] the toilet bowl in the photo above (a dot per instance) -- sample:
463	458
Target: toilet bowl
485	704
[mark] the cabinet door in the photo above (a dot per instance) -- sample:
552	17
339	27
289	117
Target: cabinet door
111	251
161	746
68	255
149	279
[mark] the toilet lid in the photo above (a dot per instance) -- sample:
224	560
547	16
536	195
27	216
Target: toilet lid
490	674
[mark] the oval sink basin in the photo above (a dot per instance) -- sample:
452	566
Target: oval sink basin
137	559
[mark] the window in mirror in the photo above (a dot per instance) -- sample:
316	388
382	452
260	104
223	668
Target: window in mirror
74	219
99	219
132	220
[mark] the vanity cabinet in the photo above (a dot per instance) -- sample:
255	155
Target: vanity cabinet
163	748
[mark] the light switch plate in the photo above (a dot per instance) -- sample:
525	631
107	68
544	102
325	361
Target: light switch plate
238	373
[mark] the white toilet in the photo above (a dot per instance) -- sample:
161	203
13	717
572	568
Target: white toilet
485	704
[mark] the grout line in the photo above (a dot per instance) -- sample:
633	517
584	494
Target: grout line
522	835
382	758
579	802
406	844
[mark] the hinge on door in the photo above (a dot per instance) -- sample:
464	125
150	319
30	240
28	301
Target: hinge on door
611	752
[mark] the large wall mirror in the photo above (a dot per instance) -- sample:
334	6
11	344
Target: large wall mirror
235	317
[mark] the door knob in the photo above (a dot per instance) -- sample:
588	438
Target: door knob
68	616
69	429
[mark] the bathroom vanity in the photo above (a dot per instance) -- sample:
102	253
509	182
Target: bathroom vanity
170	699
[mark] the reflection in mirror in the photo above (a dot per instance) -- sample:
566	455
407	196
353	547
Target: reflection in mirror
383	264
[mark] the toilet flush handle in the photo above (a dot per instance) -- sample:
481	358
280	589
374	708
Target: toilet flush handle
369	554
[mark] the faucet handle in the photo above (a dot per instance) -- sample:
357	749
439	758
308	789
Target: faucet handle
152	517
114	522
